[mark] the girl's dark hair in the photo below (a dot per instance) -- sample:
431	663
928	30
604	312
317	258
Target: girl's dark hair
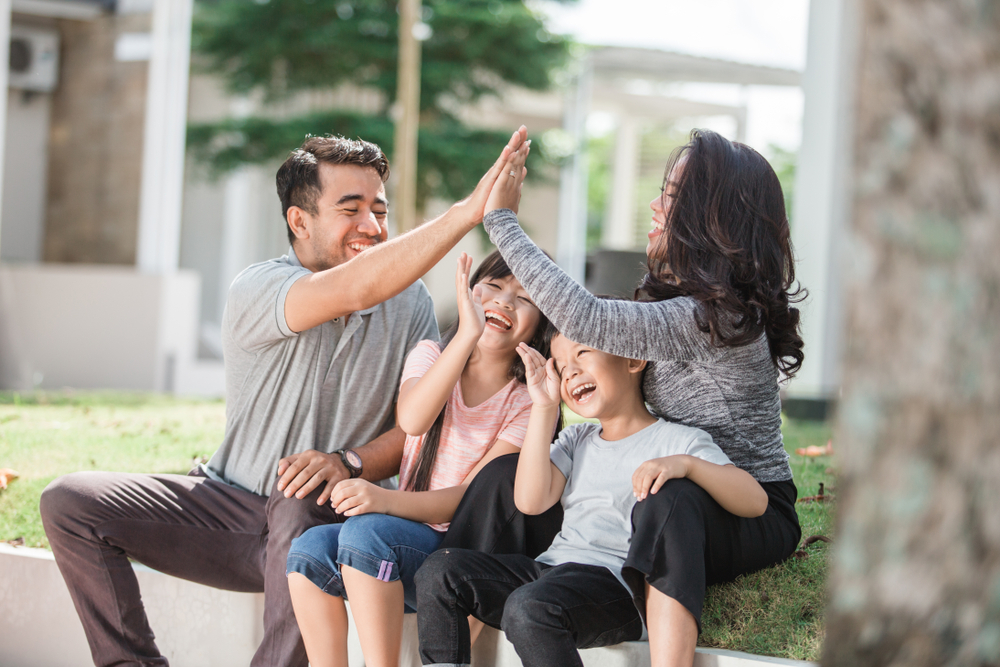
493	267
727	244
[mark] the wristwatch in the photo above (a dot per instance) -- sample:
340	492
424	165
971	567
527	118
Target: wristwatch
351	461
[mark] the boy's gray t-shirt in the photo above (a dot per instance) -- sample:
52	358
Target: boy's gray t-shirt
330	387
597	501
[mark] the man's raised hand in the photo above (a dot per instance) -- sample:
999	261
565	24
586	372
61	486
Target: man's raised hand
301	474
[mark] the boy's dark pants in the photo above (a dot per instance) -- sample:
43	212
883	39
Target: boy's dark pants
187	526
546	612
682	540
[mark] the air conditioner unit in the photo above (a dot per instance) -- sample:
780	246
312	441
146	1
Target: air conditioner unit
34	58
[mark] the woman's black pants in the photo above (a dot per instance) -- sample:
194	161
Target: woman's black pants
682	540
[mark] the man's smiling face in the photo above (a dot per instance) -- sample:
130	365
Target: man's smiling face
350	218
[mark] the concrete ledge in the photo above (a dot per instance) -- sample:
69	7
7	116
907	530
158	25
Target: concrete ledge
199	626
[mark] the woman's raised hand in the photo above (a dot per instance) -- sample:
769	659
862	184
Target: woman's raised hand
540	376
506	192
473	205
471	314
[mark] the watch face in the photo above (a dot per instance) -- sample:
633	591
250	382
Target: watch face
353	459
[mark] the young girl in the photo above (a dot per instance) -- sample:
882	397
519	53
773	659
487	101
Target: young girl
461	407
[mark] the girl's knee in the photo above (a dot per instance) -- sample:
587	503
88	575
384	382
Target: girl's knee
317	542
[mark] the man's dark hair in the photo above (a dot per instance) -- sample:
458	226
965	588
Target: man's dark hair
298	177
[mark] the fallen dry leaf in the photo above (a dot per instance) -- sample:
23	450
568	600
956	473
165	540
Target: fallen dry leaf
6	476
813	450
818	498
812	539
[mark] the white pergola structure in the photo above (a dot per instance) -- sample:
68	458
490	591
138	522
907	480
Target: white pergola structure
822	177
606	83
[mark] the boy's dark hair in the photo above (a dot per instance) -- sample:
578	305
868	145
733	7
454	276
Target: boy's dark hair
496	268
551	332
298	177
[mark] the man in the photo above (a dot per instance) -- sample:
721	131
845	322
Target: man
314	345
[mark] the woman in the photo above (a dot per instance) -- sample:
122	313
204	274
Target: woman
713	317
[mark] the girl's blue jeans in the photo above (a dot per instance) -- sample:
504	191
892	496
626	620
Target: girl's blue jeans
385	547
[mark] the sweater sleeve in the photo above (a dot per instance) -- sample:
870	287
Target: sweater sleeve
653	330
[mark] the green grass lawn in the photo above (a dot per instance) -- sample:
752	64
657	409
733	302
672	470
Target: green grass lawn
776	612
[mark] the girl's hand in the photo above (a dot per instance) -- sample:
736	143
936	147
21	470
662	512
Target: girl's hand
540	376
352	497
471	314
506	192
651	475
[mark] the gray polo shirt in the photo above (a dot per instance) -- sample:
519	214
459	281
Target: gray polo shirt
329	387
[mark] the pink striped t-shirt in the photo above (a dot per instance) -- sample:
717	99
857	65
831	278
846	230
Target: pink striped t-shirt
467	433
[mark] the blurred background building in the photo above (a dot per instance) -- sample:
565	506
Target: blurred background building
118	241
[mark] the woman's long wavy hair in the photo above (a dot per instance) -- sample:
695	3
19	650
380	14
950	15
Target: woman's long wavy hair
727	244
493	267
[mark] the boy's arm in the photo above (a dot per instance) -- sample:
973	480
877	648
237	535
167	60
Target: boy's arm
733	488
539	483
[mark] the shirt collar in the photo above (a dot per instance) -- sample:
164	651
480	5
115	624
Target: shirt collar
293	259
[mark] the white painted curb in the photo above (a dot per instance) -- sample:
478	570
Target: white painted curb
198	626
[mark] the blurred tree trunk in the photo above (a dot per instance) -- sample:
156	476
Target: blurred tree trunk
916	574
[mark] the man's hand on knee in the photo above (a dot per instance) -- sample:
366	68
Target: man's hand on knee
301	474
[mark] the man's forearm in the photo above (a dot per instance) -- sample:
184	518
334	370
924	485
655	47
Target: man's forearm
382	456
387	269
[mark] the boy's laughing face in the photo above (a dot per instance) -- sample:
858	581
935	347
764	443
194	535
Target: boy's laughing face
595	384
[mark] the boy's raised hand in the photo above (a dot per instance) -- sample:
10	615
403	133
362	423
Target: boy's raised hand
471	314
540	376
651	475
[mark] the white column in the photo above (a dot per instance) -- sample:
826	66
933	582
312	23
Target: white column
163	144
571	248
619	223
4	69
822	193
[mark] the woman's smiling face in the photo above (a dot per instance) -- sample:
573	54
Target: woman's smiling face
661	208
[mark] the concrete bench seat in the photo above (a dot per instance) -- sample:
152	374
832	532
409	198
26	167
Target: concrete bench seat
197	626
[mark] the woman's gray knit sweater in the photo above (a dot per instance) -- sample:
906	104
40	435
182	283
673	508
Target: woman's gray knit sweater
731	392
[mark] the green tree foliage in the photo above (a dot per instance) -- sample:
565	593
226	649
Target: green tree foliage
784	163
278	48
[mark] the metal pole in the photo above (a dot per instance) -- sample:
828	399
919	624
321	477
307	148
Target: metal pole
407	117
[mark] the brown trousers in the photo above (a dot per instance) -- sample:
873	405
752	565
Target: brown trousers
186	526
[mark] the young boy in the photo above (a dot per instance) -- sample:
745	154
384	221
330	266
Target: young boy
573	595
